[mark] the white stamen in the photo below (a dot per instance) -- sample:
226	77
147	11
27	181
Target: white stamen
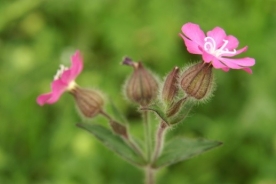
210	46
60	72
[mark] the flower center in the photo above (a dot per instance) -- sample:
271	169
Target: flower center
60	72
210	46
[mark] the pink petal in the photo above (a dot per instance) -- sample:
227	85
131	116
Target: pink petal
207	58
225	69
58	87
237	52
241	50
243	62
233	42
77	64
218	34
42	99
192	47
194	33
248	70
230	64
75	69
217	64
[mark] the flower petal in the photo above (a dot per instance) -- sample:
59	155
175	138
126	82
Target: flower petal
77	64
42	99
248	70
207	58
58	87
219	65
233	42
242	62
194	33
75	69
218	34
226	69
192	47
236	53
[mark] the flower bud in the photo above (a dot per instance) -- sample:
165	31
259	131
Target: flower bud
119	129
170	88
88	101
197	81
141	87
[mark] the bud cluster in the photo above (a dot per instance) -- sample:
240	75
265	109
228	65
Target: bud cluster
196	81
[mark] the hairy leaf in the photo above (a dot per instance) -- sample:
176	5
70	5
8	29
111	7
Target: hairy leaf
113	142
181	149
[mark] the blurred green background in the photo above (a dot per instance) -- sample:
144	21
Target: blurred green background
43	145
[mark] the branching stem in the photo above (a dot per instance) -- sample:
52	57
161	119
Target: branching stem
160	136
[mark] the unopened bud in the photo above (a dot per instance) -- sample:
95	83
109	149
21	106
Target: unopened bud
88	101
170	88
119	128
141	87
175	107
197	81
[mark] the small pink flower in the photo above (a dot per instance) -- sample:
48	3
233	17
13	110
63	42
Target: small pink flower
64	80
216	48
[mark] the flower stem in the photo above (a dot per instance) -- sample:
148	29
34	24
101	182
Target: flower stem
147	136
106	115
150	175
128	138
160	135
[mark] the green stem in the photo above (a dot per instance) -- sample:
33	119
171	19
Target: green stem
133	144
150	175
128	139
147	136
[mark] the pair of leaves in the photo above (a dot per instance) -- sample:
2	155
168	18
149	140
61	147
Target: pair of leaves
176	150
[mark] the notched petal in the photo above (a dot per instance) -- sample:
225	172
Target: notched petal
194	33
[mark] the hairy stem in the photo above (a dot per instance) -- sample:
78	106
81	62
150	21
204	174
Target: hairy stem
128	139
150	175
147	136
160	136
106	115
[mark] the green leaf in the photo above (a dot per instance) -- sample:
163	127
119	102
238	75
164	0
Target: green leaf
118	115
182	114
181	149
155	108
113	142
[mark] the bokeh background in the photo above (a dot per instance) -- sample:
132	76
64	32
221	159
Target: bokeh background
43	145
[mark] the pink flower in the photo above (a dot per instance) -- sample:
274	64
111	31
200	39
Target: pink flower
216	48
63	81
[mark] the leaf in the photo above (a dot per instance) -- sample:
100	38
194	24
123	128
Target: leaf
181	149
182	114
155	108
118	115
113	142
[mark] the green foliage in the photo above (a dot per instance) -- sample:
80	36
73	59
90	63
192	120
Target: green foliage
42	144
181	149
113	142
